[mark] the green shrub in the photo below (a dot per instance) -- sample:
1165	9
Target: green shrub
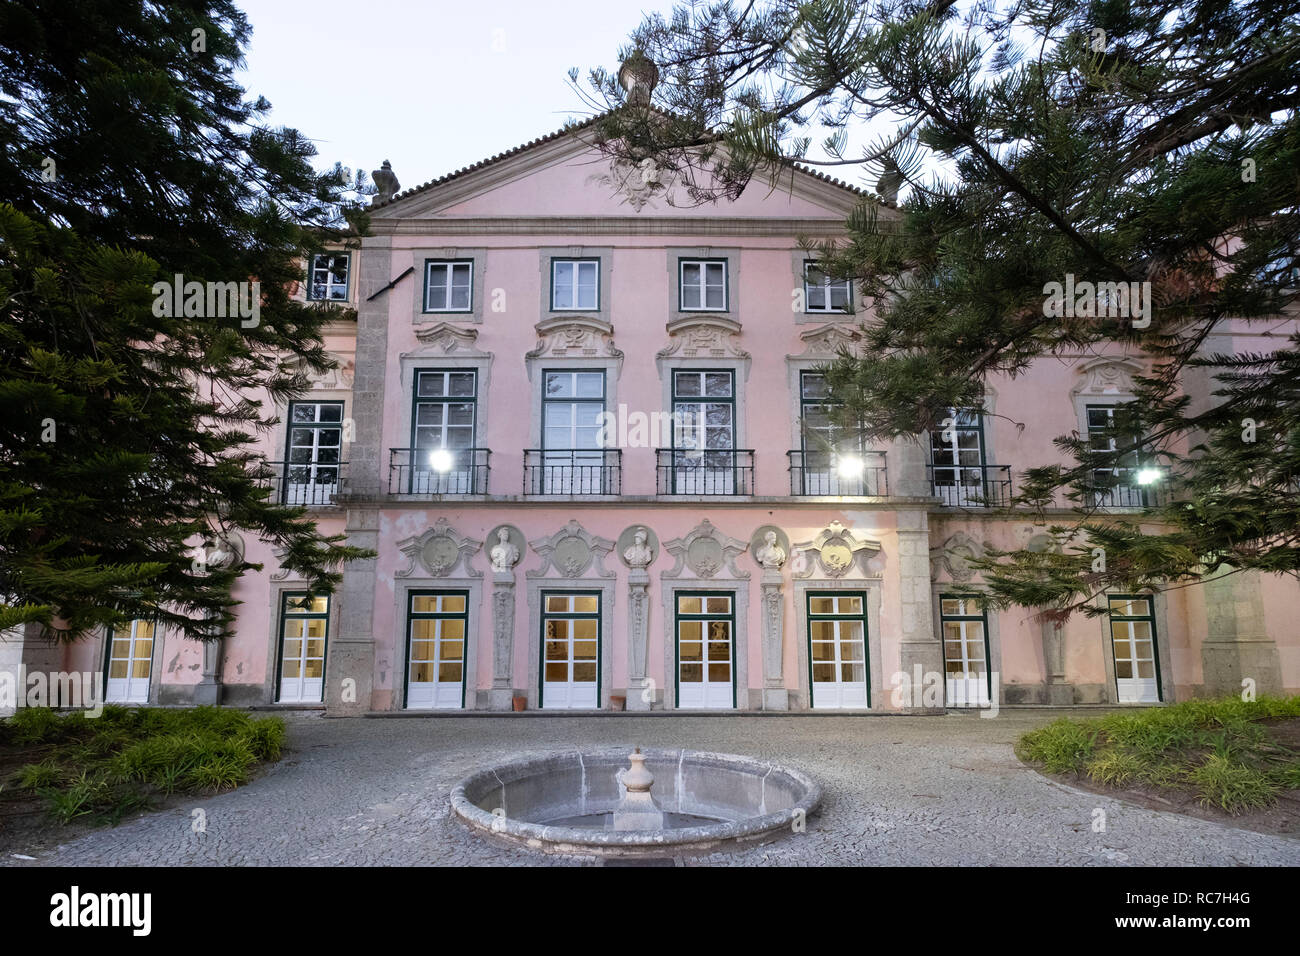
1232	786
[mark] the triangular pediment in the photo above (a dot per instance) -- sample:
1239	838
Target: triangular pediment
565	175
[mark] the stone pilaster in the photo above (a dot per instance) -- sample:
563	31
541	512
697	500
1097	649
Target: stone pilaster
350	670
1057	692
208	689
775	694
1237	646
503	640
919	645
907	474
638	628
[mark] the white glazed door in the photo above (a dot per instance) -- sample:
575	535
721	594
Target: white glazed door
570	652
1132	635
965	659
436	652
130	664
705	652
837	651
302	649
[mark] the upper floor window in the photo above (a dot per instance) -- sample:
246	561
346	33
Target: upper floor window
703	284
328	277
821	293
575	284
957	458
448	285
311	470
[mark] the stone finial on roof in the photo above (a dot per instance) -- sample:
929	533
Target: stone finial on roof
638	75
386	182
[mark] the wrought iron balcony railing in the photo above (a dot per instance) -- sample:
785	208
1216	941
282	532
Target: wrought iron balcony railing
971	486
438	471
573	471
314	484
1121	488
712	471
833	473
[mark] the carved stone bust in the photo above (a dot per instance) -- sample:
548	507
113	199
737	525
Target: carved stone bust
771	555
503	555
638	555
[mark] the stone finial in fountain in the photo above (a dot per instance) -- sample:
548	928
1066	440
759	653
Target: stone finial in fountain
638	810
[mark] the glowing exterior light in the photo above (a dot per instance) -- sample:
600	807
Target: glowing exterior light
1148	476
850	466
440	460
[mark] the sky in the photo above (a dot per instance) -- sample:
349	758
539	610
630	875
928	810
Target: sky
431	86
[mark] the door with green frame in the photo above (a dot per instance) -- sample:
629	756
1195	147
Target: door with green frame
437	625
837	650
304	628
706	650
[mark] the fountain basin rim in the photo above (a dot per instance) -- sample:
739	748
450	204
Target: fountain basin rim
578	839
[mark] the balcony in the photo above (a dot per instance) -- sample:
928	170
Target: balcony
573	471
1121	488
438	471
715	471
853	474
971	486
312	484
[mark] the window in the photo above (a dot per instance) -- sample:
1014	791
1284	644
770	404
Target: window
304	626
957	459
328	279
570	650
965	650
1116	485
822	442
704	459
573	460
1133	642
575	284
312	450
703	285
448	285
437	624
130	663
821	293
442	427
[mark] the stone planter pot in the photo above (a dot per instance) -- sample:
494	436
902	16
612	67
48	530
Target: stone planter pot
519	703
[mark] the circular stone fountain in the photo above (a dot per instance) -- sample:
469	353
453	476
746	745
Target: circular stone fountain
677	801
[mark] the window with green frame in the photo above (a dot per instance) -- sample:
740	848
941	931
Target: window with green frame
327	279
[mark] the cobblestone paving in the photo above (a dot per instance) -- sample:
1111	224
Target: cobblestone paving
899	790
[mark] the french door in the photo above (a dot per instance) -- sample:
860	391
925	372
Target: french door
957	459
437	625
130	664
312	452
573	461
837	650
304	626
570	650
965	650
1133	642
706	650
443	422
1117	485
704	433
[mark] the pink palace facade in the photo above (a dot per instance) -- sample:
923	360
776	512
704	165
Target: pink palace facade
721	559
